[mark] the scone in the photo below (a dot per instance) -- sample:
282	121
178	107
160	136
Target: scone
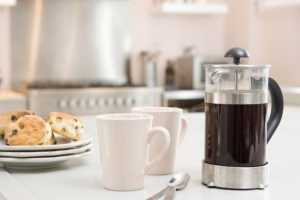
29	130
9	117
50	139
66	125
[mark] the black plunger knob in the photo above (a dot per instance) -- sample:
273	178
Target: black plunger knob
237	54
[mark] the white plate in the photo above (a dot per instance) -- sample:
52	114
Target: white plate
40	162
31	154
85	141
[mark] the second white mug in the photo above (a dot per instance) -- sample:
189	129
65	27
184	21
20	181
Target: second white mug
172	119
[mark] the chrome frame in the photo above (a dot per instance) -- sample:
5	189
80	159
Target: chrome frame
238	178
236	98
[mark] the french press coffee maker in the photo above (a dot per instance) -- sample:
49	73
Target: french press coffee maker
237	130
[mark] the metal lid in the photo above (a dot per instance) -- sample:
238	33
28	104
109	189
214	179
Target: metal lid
237	96
236	54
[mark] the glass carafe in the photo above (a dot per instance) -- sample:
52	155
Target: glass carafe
237	98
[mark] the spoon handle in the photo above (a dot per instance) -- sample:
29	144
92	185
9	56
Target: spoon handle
158	195
170	193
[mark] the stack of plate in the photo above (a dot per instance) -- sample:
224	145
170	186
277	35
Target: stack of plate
44	156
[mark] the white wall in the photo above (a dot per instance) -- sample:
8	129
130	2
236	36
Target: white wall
5	46
272	37
279	43
170	34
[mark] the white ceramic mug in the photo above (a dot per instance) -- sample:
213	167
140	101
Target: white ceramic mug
123	140
172	119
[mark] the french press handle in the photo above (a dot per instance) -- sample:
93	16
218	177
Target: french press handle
275	93
277	108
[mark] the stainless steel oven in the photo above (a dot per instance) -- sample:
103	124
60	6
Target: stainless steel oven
73	56
92	101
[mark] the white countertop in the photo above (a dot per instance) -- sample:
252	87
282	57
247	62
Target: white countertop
81	179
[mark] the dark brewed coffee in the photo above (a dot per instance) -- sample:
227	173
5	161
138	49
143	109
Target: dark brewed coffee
236	135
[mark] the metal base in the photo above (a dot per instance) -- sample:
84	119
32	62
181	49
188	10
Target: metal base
238	178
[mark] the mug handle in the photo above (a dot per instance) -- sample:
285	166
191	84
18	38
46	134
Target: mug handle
167	142
184	126
277	107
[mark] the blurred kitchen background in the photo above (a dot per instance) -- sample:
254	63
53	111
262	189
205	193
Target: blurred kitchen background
97	56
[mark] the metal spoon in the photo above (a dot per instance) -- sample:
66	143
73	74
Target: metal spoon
178	182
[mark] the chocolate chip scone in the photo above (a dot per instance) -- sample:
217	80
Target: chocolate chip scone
10	117
29	130
66	125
